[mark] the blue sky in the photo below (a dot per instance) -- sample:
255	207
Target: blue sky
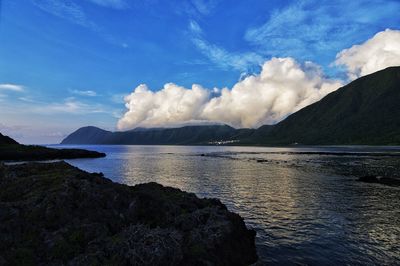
71	62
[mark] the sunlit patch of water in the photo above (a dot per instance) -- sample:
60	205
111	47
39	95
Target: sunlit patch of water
307	208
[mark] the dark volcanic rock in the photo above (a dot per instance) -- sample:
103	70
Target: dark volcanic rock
56	214
10	150
19	152
380	180
5	140
369	179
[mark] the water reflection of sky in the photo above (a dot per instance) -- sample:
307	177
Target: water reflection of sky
306	208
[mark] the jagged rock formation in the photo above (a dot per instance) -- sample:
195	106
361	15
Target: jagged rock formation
56	214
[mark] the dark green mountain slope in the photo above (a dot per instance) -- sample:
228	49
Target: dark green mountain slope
88	135
174	136
366	111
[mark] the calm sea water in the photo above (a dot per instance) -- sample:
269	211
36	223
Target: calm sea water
307	209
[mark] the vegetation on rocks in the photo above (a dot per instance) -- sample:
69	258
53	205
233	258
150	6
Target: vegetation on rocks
56	214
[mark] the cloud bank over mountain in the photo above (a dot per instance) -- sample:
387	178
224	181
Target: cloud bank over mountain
379	52
282	87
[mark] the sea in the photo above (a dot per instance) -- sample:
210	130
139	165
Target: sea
305	203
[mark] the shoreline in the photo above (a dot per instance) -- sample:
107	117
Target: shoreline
18	152
66	215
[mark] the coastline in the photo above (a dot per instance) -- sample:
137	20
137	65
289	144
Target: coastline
57	213
18	152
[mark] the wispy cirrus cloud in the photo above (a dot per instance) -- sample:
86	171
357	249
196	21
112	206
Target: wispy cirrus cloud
49	120
73	106
67	10
29	134
218	55
192	8
11	87
115	4
74	13
306	30
118	98
310	28
4	127
68	105
26	99
13	130
88	93
205	7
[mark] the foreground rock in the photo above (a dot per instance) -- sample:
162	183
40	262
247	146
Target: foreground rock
18	152
56	214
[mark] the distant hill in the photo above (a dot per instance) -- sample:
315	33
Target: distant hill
194	135
5	140
366	111
88	135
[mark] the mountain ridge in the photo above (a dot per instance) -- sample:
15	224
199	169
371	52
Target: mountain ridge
364	112
174	136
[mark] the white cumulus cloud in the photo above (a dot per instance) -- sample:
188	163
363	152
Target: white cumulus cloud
171	105
283	87
379	52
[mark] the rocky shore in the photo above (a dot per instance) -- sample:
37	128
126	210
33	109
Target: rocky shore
56	214
18	152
